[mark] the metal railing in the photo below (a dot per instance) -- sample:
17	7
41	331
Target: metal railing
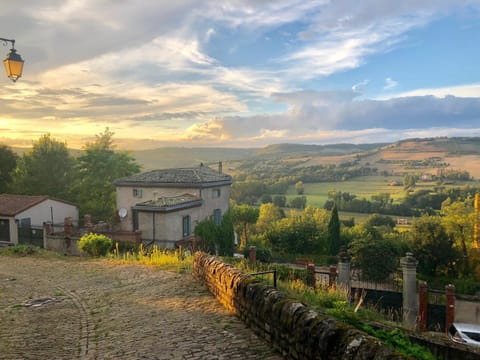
274	272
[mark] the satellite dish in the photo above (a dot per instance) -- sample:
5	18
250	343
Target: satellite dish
122	213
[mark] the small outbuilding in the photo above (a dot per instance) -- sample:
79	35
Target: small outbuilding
24	214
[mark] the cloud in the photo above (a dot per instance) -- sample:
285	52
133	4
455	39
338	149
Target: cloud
163	69
360	87
390	84
461	91
312	115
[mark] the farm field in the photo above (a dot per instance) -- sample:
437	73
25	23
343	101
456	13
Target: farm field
365	187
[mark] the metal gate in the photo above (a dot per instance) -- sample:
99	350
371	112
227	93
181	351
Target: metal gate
4	230
436	310
30	235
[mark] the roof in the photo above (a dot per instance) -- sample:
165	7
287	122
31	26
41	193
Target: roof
170	203
201	176
11	205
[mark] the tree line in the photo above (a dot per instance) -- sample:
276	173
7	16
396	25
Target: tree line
442	243
49	168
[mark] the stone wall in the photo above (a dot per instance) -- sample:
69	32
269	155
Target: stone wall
295	330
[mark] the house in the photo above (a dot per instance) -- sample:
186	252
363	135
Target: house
165	205
31	211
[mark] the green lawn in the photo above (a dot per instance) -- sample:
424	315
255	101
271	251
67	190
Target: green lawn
363	187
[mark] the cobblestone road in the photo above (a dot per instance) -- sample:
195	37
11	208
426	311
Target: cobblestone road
75	309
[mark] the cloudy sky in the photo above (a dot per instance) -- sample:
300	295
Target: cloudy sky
241	73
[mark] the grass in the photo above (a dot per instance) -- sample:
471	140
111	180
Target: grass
172	260
365	187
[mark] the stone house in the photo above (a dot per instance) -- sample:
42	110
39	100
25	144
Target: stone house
31	211
165	205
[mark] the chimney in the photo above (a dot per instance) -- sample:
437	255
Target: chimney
220	167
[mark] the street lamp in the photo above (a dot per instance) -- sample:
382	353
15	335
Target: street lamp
13	62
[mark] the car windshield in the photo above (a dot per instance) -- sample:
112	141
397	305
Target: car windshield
472	335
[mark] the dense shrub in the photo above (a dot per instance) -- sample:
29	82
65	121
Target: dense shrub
95	244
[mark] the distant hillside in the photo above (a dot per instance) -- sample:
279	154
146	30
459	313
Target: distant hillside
299	150
412	155
171	157
426	155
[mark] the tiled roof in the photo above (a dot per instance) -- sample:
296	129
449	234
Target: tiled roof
197	176
170	203
11	205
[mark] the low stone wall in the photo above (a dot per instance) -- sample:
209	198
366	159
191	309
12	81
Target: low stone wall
295	330
61	244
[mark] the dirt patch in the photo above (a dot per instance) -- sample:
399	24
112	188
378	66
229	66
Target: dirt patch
76	309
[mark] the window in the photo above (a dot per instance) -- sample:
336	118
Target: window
217	216
216	193
186	226
138	193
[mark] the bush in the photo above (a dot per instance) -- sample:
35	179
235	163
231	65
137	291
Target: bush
95	244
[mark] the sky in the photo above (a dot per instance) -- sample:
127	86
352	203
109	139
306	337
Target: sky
241	73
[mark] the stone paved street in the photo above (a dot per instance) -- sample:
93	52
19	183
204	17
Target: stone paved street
77	309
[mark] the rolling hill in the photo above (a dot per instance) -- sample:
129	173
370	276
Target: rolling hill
413	155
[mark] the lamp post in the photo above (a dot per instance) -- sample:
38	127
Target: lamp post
13	62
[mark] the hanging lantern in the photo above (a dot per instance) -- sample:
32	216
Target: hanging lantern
13	65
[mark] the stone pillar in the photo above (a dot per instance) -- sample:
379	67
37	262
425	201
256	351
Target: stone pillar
311	273
422	305
410	300
48	227
252	255
68	226
332	277
450	304
343	272
87	222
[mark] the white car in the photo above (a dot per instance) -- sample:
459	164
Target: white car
465	333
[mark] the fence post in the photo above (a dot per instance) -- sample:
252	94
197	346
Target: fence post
46	232
410	300
253	255
344	279
423	304
311	272
450	303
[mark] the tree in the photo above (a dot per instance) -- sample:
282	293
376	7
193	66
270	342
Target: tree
217	238
268	214
47	169
432	246
97	168
458	218
333	236
303	233
409	181
299	202
380	220
374	255
242	217
280	200
299	187
8	162
266	198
